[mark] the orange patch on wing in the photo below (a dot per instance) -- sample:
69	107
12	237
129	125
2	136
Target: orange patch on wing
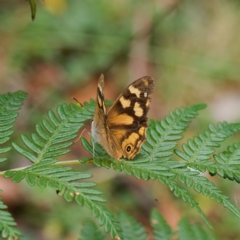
138	110
125	102
147	103
121	119
130	140
134	90
142	131
145	82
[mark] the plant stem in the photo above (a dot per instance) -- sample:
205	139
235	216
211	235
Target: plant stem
61	163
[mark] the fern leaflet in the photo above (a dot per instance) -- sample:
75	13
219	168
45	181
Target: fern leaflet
187	231
10	103
226	165
202	146
131	228
161	229
147	165
197	154
7	224
162	135
90	231
60	178
55	134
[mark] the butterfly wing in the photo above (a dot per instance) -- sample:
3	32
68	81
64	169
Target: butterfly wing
99	129
127	117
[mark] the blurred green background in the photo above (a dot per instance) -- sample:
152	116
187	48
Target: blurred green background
191	49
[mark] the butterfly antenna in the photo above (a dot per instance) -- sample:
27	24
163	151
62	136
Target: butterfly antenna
81	104
77	101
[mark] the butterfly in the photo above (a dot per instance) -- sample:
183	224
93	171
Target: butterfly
121	129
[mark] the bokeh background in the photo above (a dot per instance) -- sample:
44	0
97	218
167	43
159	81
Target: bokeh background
191	49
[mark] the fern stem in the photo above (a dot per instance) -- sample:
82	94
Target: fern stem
60	163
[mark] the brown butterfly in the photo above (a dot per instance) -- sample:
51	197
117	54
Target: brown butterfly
121	129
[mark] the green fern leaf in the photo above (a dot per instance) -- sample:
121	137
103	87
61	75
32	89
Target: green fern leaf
189	232
161	229
197	153
202	146
7	224
131	228
161	138
90	231
54	135
228	163
186	196
162	135
203	185
141	167
9	105
60	178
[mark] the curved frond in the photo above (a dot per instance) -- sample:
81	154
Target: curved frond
188	232
161	230
202	146
63	180
55	134
203	185
10	103
91	231
227	163
162	135
131	228
7	224
142	168
154	163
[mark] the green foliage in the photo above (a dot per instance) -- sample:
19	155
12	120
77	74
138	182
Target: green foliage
10	103
161	230
131	228
7	224
189	231
90	231
156	161
55	134
86	44
51	139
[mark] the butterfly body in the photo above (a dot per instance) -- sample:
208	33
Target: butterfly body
121	129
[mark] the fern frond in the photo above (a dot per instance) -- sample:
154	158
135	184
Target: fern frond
203	185
62	179
197	154
186	196
131	228
90	231
7	224
54	134
154	163
187	231
141	167
226	165
10	103
202	146
161	230
162	135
